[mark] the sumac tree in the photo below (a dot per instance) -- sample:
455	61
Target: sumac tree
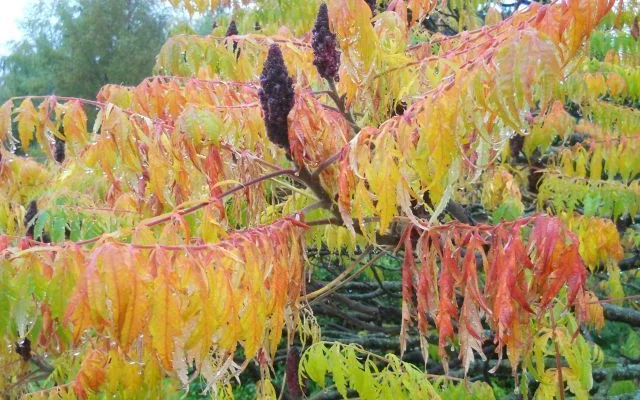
365	200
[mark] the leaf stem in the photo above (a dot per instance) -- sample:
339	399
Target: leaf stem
167	217
339	101
326	163
311	207
337	280
557	354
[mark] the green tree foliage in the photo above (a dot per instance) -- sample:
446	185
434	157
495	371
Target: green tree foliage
72	48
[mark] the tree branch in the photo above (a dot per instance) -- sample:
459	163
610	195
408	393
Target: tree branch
621	314
339	101
630	263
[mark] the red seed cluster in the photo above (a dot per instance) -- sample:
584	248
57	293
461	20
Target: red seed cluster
59	153
30	216
325	47
23	348
232	30
276	97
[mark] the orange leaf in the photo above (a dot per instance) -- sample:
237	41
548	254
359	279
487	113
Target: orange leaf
74	123
91	374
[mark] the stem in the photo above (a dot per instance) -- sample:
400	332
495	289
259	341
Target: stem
167	217
311	207
333	93
313	183
558	362
337	283
326	163
337	280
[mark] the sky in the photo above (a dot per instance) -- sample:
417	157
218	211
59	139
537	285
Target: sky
11	12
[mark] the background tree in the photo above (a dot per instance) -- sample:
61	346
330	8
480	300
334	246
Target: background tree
73	48
350	202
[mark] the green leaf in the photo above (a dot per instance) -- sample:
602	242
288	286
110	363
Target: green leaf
622	387
591	204
58	224
337	368
509	210
315	364
5	300
631	346
41	221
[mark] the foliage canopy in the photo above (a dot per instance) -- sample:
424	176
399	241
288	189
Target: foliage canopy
187	231
72	48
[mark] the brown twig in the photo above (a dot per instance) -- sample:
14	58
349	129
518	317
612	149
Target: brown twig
339	101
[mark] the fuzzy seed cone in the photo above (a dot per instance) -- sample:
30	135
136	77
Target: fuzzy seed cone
326	57
60	151
29	217
232	29
276	97
23	348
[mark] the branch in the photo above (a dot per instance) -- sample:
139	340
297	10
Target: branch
339	279
325	164
393	286
459	213
313	183
339	101
311	207
168	216
42	365
632	262
621	314
631	371
329	309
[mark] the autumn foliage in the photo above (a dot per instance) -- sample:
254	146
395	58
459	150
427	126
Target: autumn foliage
171	236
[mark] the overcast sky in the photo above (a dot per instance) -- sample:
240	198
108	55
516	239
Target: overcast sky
11	11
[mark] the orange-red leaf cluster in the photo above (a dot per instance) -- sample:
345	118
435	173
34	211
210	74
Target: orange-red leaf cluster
180	304
522	277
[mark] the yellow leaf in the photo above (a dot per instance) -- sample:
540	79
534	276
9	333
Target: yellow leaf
91	374
581	169
164	323
5	120
595	169
27	118
493	16
210	229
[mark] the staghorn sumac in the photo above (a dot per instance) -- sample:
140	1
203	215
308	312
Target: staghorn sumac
232	30
192	258
59	152
276	97
326	56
